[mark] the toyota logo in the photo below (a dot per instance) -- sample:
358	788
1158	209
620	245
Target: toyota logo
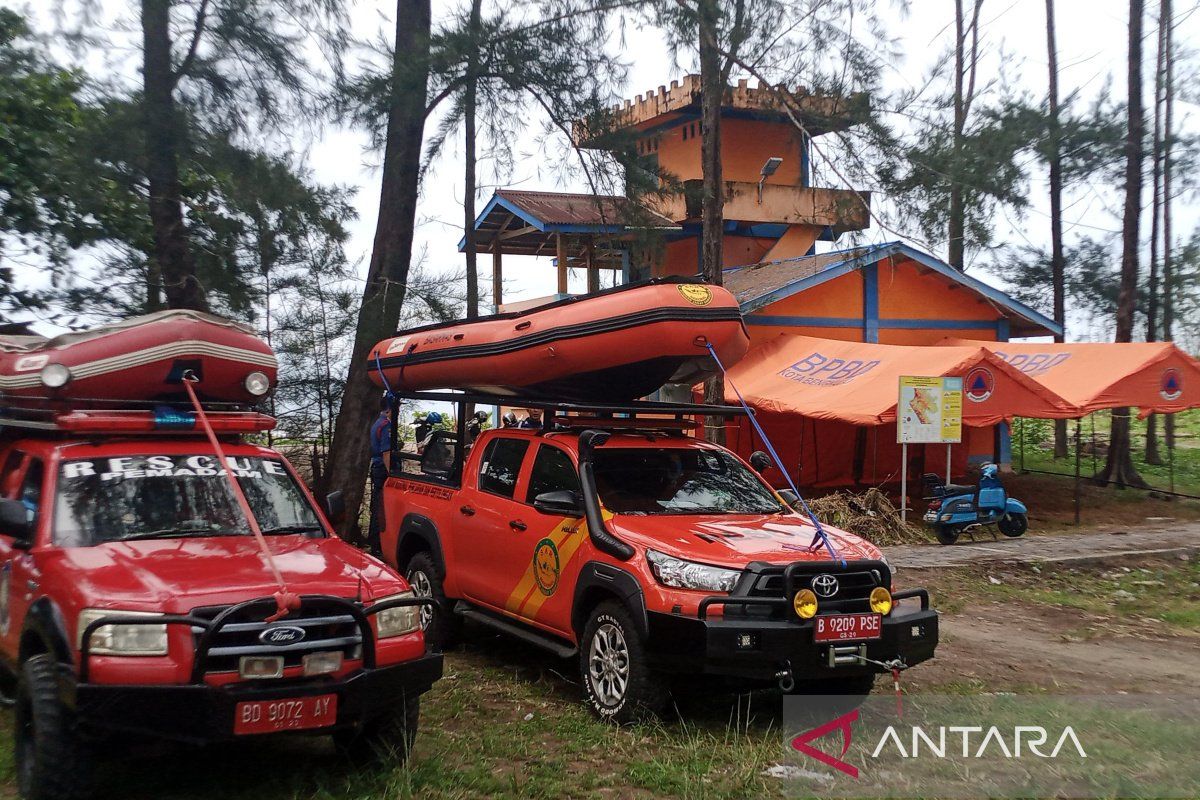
825	585
282	635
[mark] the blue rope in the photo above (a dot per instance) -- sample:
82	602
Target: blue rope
387	388
820	531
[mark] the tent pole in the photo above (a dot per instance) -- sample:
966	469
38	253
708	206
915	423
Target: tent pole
1022	435
904	482
1077	457
1092	417
1171	456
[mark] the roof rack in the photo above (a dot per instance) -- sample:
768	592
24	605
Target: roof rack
128	417
633	415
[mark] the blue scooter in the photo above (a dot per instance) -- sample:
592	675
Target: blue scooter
956	509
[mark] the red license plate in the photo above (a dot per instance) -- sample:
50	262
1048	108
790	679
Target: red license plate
847	627
292	714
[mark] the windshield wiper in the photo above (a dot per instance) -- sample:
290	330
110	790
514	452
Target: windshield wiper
281	529
178	533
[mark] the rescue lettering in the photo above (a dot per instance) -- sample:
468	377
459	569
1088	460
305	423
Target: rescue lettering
822	370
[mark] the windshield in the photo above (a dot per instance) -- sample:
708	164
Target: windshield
145	497
679	481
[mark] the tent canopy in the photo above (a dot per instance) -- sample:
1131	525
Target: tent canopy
858	382
1155	377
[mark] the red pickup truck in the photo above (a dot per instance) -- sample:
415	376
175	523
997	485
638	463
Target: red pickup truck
134	601
610	536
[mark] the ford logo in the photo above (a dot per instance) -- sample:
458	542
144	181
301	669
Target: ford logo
825	585
281	635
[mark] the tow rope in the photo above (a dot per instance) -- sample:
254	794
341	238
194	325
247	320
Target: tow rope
285	600
820	535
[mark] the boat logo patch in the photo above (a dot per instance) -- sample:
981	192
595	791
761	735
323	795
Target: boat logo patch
546	566
396	344
695	294
30	363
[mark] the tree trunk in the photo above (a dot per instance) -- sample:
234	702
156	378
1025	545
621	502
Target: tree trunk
957	223
387	275
1057	259
172	258
470	95
712	89
1119	465
1167	19
1152	289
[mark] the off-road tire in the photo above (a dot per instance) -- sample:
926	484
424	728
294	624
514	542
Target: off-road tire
52	761
444	630
1013	525
946	534
388	738
645	691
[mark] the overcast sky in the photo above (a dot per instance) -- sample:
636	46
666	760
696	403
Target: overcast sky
1092	47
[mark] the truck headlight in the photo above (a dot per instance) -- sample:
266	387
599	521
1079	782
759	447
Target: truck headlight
682	574
397	621
142	639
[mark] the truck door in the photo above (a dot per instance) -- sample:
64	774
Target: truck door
491	523
18	573
544	592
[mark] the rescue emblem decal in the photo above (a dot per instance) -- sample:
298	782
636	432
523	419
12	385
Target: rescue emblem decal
1171	385
695	294
979	384
546	566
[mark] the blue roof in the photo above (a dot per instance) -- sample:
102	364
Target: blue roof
758	285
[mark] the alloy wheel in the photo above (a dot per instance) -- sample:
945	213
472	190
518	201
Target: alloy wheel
608	664
422	587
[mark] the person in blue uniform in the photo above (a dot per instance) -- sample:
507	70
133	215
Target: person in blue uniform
381	457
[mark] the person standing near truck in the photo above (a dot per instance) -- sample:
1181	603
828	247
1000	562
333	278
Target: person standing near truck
381	455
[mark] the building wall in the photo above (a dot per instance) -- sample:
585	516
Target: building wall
745	147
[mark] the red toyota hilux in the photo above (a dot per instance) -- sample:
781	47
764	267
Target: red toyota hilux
135	602
610	536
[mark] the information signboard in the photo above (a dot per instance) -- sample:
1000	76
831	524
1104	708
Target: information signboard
929	410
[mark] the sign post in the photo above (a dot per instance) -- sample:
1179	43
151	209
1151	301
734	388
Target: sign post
928	411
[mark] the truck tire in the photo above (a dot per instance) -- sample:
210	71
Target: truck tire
1013	525
386	738
442	626
946	534
52	762
619	684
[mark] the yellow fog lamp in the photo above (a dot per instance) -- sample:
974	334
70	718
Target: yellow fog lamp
805	603
881	601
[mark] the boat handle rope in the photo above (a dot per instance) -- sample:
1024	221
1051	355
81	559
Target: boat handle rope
285	600
820	535
387	387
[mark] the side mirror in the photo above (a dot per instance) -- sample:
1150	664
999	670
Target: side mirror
788	496
759	460
335	507
15	522
563	503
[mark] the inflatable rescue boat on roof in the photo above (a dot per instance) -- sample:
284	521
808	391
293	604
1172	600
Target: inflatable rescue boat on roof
139	359
611	346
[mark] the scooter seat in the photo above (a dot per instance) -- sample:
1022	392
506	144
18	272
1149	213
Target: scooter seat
957	488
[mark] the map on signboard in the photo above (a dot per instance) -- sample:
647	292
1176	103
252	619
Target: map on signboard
929	410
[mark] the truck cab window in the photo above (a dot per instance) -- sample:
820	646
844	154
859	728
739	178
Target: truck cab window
552	472
501	465
31	488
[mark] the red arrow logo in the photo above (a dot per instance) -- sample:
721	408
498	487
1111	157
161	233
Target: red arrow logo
842	723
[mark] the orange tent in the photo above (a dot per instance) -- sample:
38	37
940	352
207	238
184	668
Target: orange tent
829	406
1155	377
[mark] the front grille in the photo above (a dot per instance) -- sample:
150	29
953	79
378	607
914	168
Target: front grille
855	581
327	625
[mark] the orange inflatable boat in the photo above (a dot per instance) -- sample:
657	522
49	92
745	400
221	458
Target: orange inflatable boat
615	345
140	359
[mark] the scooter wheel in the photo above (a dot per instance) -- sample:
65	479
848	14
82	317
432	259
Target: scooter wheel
946	534
1013	524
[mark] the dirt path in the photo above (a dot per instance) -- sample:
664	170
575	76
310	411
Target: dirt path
1163	539
1019	647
